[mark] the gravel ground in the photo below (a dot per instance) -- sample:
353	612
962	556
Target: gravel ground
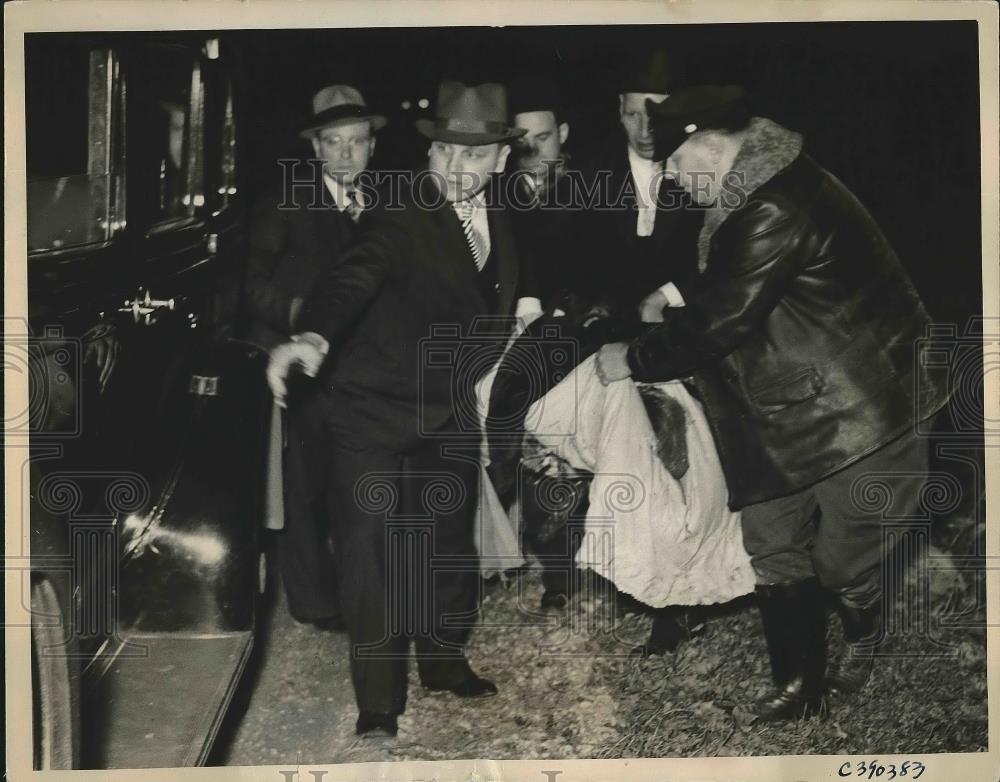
568	690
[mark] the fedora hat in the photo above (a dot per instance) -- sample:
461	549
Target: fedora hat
534	93
339	104
651	72
469	115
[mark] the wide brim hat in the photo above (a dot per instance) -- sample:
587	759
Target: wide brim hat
702	107
534	93
653	72
339	104
471	116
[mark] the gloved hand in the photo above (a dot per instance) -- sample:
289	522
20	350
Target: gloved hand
305	355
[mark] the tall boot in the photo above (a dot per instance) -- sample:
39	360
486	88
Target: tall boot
862	630
794	623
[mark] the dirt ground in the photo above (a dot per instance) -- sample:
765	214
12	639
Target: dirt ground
568	688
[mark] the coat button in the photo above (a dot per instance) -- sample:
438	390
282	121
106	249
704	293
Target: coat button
496	286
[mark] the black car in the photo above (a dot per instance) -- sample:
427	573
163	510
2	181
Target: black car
147	418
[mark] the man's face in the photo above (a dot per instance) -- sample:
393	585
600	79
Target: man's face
345	149
539	148
635	120
465	170
699	166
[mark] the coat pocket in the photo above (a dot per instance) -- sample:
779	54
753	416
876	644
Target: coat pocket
793	389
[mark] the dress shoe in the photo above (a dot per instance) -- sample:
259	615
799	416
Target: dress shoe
375	725
473	687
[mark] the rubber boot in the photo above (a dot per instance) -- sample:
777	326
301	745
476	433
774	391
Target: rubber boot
794	623
862	630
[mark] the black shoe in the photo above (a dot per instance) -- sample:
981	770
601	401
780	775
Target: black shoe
672	626
794	620
790	703
862	629
473	687
376	725
554	600
625	605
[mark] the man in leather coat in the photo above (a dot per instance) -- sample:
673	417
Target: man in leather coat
799	338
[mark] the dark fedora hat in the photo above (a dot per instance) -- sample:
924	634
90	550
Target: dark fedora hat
702	107
469	115
652	72
534	93
339	104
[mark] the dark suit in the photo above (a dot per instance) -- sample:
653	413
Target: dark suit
397	310
289	250
619	267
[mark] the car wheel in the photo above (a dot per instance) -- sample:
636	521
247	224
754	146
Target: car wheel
55	703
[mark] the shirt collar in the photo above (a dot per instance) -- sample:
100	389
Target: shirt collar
477	201
641	167
339	193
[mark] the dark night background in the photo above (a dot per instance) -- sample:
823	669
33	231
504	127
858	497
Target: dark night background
890	108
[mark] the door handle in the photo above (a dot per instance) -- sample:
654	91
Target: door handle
145	308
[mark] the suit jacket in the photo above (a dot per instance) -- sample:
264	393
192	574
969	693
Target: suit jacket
620	268
550	227
288	251
408	325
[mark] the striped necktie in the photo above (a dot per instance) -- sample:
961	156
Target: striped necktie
354	207
472	236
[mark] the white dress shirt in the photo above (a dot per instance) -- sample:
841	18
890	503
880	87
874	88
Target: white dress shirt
646	175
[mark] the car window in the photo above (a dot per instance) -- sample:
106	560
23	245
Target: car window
176	96
74	122
176	101
227	187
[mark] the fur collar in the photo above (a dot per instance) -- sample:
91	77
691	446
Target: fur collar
767	149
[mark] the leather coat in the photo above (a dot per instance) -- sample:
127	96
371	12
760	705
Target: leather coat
802	334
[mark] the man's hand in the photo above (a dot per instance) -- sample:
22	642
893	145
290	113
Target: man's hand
651	308
595	313
612	364
302	354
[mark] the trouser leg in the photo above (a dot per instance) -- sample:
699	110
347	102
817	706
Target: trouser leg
442	487
363	491
778	536
306	562
848	549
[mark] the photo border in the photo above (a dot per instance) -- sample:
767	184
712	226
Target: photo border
114	15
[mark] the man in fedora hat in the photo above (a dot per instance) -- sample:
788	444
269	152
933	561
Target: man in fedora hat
293	238
641	232
800	339
389	324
